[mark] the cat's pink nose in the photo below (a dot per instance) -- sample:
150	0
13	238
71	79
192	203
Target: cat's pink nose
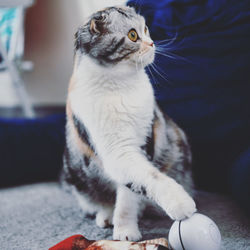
151	44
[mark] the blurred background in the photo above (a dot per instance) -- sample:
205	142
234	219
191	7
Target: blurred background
49	44
36	61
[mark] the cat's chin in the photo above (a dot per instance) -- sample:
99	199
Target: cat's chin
148	58
151	59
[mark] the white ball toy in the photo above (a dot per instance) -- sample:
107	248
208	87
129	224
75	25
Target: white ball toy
195	233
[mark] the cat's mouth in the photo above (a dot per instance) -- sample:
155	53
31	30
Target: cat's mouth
146	55
143	51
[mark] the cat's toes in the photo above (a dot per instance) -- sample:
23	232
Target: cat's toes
181	207
176	202
103	220
131	233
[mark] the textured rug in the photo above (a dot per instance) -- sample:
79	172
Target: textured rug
40	215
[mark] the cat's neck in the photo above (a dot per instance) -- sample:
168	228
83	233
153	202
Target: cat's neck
91	71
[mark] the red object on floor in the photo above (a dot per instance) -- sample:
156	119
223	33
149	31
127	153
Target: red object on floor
79	242
76	242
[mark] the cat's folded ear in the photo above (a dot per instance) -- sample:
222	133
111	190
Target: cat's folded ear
78	39
97	24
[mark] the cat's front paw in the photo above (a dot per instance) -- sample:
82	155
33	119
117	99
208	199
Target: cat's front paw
177	203
181	207
129	233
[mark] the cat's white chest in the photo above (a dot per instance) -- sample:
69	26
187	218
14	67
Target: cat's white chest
114	110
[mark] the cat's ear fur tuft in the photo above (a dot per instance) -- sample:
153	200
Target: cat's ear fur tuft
97	24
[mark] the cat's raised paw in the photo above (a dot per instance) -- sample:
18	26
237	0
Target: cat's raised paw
127	233
181	207
174	200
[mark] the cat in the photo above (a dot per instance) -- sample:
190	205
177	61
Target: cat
122	151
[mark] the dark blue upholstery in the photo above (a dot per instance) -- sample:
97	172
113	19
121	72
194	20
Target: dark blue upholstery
208	93
31	149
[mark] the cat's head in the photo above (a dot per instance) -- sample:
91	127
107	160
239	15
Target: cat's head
116	35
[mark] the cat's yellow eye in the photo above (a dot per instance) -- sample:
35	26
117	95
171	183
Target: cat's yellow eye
145	29
132	35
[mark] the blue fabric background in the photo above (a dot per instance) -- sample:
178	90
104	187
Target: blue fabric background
208	93
31	149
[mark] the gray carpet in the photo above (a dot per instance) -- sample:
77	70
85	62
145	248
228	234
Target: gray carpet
40	215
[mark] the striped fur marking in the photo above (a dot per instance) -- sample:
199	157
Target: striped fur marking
149	147
82	132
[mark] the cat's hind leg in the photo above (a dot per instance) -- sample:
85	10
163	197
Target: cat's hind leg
104	216
125	220
103	212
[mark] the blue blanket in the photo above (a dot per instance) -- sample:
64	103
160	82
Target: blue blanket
206	87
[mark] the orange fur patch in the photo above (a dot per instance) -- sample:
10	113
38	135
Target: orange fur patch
179	137
171	123
83	146
156	126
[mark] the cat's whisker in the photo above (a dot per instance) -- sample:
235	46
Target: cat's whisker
153	65
152	75
168	40
150	72
170	46
164	48
167	46
160	73
166	55
172	55
165	40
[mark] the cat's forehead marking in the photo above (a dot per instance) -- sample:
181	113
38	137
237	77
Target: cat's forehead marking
123	19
